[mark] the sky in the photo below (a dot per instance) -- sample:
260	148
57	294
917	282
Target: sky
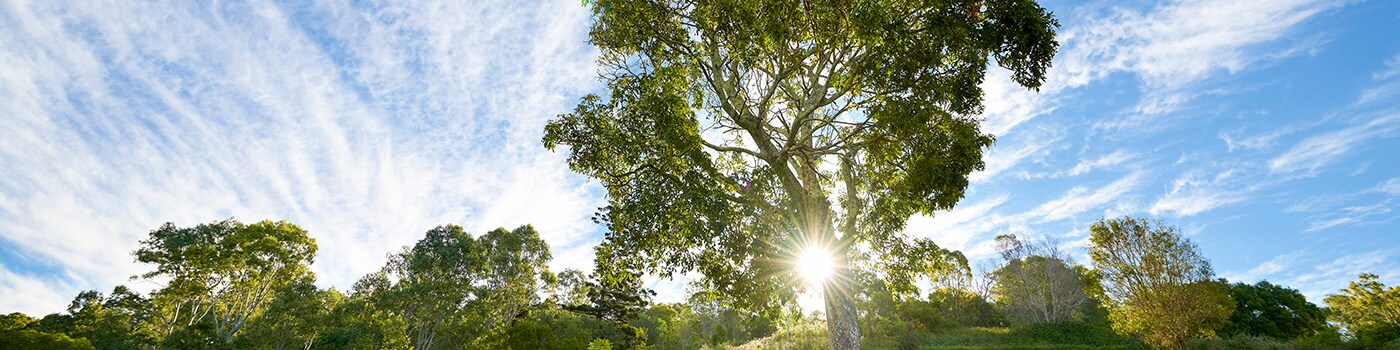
1268	131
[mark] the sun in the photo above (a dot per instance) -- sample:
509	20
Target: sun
816	265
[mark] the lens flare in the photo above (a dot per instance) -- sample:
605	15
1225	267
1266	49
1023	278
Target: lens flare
816	265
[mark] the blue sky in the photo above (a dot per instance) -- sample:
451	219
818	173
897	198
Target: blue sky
1266	130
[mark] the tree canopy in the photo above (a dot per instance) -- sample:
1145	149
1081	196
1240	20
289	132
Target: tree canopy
226	270
1157	282
1368	310
734	134
1264	309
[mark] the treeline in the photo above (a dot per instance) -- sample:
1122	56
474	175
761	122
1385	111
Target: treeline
230	285
1145	284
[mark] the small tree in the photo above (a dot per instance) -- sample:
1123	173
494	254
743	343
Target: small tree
1157	282
1037	284
1368	310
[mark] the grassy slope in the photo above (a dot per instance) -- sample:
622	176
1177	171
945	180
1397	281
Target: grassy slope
812	336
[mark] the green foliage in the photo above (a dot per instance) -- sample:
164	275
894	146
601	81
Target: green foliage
1368	311
615	296
112	322
1267	310
357	323
15	321
451	288
795	101
600	344
224	271
1038	336
25	339
18	331
548	329
964	309
1072	333
1036	283
294	319
1157	283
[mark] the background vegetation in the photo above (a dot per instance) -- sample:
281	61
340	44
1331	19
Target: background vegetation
230	285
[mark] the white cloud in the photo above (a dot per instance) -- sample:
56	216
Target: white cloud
1281	263
1107	160
1357	215
959	228
1181	42
1392	69
1001	159
1328	277
1391	186
1008	104
1234	141
1194	193
1178	44
1314	153
367	126
1081	199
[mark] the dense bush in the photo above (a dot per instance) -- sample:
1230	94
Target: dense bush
30	339
1070	333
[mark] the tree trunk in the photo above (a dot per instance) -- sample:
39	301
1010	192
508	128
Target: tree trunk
842	319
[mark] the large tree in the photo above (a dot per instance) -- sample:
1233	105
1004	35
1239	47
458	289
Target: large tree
736	134
1156	281
1268	310
223	273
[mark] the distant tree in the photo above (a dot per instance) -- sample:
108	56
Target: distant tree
451	288
223	272
116	321
964	308
1368	311
1267	310
32	339
19	331
1037	284
600	344
1157	283
730	128
295	318
570	287
614	292
15	321
357	323
518	265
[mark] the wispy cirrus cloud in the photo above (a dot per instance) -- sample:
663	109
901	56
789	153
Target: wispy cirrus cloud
1196	192
1180	42
1081	198
367	125
1308	157
1327	276
1280	263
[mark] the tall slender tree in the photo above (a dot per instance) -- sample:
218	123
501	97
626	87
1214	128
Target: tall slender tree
737	134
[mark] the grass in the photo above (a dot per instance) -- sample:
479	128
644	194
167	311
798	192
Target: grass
813	336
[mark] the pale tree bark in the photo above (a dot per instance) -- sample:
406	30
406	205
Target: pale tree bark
842	317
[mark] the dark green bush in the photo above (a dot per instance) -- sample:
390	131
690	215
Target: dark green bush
1073	333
